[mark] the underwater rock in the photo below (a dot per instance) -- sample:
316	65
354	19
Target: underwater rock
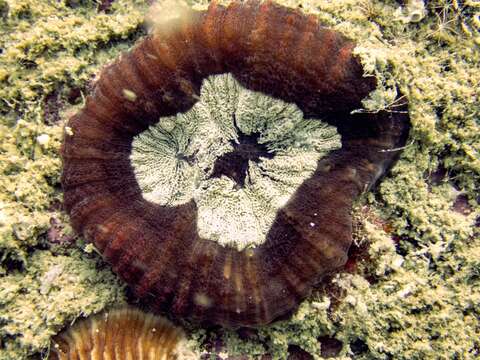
124	333
154	242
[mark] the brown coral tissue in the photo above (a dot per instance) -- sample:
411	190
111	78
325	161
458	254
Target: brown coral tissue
124	333
156	248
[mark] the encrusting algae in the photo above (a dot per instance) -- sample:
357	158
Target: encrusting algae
414	291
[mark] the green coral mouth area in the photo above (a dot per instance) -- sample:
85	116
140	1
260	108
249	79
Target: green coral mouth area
239	154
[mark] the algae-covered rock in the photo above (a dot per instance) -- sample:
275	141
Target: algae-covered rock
38	301
412	287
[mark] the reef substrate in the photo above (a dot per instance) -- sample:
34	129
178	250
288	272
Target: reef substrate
417	296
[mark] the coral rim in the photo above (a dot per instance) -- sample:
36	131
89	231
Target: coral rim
156	249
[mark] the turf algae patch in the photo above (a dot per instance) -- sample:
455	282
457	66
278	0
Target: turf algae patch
37	302
423	299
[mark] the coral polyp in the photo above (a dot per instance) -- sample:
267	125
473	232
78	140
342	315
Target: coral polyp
124	333
152	154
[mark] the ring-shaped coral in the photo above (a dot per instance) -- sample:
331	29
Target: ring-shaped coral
156	248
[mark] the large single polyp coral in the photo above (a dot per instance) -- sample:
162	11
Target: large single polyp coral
136	136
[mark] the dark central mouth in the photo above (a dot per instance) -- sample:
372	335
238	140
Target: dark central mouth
234	164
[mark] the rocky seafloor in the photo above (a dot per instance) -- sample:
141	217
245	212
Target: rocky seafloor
411	289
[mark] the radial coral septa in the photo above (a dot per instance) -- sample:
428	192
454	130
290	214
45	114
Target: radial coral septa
122	333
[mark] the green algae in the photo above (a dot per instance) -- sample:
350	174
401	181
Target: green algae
415	293
42	298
